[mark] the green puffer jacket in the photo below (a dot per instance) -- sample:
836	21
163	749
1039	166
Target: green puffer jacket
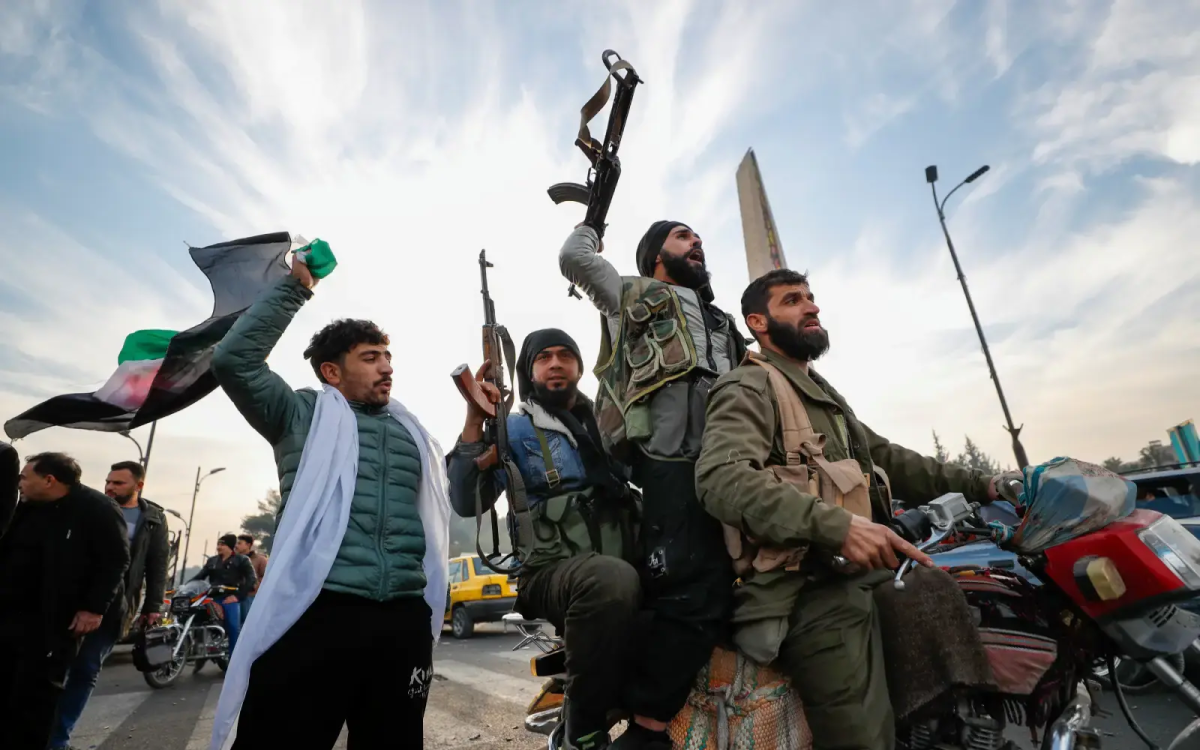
381	553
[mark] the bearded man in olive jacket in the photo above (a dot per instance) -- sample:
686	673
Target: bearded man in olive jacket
817	625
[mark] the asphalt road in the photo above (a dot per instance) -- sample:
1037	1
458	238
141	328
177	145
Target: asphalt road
479	692
476	702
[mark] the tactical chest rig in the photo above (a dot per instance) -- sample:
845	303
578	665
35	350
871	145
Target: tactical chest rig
567	523
653	347
839	483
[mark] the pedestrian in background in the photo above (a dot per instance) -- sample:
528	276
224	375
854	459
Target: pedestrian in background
146	529
245	546
64	549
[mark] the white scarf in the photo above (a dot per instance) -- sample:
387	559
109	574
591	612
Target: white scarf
311	532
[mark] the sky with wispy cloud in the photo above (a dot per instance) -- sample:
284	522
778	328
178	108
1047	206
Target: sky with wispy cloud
411	134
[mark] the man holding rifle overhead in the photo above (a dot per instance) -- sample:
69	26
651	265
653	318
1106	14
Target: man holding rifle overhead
663	345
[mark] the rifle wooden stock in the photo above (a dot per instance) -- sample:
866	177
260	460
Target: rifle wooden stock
487	459
468	388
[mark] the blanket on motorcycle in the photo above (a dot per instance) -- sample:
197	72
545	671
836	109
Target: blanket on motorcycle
931	646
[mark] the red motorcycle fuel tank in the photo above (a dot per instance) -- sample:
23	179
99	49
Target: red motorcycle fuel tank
1113	569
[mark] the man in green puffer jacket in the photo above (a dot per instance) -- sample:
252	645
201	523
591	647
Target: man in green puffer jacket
368	632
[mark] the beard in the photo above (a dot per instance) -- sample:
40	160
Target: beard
797	342
122	499
555	398
679	268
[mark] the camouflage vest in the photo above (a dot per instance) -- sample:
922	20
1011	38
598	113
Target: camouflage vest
653	347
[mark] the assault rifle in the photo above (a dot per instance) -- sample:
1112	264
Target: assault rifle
498	350
602	177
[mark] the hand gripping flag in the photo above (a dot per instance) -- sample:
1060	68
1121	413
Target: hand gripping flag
161	372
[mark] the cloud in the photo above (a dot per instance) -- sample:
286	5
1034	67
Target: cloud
1133	96
1099	349
322	120
410	136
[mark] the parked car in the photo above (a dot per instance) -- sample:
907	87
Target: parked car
476	594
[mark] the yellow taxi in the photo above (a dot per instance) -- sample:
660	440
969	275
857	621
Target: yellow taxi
477	594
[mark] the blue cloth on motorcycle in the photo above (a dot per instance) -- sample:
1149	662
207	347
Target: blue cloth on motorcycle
1066	498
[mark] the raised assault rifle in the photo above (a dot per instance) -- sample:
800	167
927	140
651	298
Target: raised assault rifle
497	350
602	177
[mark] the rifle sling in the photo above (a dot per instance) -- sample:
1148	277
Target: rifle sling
510	356
518	506
552	478
592	147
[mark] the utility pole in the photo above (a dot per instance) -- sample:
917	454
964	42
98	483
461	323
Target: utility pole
931	175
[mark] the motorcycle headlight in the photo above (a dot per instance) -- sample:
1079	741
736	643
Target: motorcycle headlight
1176	547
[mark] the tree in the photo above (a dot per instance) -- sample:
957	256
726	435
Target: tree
973	457
262	524
939	450
1156	454
1114	465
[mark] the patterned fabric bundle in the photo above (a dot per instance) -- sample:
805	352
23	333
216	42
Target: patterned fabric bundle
1066	499
739	705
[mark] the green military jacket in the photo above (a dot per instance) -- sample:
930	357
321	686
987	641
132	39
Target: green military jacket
742	438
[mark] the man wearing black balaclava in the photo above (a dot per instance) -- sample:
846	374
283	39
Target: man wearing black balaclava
664	344
577	572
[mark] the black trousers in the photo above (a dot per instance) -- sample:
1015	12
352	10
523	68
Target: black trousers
687	586
593	600
347	661
30	684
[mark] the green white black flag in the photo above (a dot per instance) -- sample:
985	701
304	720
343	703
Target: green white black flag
161	372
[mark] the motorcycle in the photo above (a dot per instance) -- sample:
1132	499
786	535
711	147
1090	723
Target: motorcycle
1108	593
190	633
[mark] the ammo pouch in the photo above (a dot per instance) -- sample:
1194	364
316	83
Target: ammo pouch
653	348
578	522
840	483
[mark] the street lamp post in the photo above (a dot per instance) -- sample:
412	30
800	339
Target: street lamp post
143	458
931	176
191	515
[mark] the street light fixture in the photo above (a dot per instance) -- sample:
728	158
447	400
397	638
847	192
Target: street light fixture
191	514
931	176
141	456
